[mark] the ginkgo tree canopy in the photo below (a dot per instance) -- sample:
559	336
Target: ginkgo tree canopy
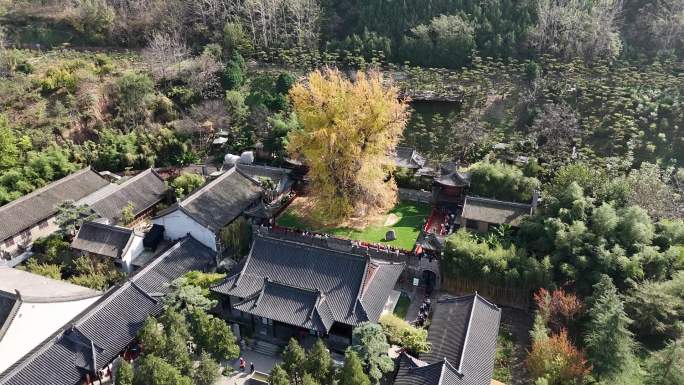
349	130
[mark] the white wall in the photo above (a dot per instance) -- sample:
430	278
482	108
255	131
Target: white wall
134	250
177	225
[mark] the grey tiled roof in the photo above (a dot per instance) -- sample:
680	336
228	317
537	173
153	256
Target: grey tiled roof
291	305
448	329
41	204
221	201
382	280
430	241
276	174
454	179
463	334
101	239
96	336
355	287
187	254
417	372
407	157
144	190
494	211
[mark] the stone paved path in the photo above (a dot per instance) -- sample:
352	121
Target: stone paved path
262	363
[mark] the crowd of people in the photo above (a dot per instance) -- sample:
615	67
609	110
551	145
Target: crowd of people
423	313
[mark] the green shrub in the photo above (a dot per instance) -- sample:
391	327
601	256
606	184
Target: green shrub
124	373
203	280
501	181
467	257
104	64
53	249
93	18
400	332
56	79
134	91
186	183
232	76
284	82
45	269
183	96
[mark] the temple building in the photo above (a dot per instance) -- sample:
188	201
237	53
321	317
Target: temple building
289	286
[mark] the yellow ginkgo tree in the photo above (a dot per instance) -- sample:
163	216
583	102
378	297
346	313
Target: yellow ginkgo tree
349	130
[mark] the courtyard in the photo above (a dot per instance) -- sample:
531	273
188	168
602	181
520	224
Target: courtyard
406	219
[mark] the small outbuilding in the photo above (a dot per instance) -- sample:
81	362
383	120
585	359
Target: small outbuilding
479	214
106	241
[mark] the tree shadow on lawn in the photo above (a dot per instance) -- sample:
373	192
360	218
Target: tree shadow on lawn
411	217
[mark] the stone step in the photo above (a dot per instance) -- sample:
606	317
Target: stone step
267	348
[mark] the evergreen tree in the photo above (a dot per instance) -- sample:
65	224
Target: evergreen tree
293	360
70	217
133	93
370	343
152	370
654	311
213	335
175	321
207	372
152	338
224	345
185	296
319	363
177	351
352	372
124	374
127	214
186	183
608	342
667	366
308	379
278	376
233	74
284	82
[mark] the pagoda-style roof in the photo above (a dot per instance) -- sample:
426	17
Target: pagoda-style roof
407	157
292	305
355	287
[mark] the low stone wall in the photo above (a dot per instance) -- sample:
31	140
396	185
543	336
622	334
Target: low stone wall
406	194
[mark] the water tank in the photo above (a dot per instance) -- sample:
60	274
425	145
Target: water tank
230	159
247	157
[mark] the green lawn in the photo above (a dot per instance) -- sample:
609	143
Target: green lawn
411	216
402	306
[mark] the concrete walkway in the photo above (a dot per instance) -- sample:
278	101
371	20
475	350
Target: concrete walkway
16	260
416	296
262	363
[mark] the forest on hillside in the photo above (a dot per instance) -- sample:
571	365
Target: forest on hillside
589	92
